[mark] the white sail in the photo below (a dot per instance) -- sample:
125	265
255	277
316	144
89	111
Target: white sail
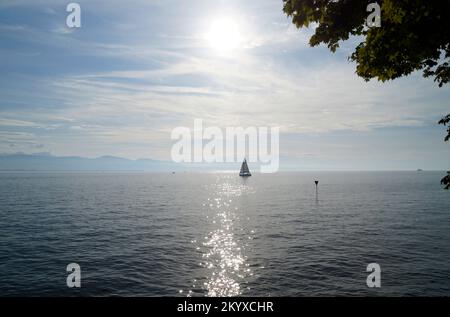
244	169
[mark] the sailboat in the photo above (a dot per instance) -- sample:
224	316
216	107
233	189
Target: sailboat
244	169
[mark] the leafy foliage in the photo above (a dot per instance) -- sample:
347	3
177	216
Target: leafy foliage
446	181
446	120
414	35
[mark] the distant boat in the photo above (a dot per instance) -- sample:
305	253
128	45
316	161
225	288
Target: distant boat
420	170
244	169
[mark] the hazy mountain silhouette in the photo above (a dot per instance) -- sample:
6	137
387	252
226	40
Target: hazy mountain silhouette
48	162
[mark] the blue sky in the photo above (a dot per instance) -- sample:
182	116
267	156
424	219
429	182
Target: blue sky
135	70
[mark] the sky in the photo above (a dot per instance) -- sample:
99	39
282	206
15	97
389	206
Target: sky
137	69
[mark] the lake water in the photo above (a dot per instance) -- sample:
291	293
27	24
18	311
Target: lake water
144	234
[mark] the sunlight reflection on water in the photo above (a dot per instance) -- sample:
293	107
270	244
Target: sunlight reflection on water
223	249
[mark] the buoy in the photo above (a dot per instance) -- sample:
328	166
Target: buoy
317	191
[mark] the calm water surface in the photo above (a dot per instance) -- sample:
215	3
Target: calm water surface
144	234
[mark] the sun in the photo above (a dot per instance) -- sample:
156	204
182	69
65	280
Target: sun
224	35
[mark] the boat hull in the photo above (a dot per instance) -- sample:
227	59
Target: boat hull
245	174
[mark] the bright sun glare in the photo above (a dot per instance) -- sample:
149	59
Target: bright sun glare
224	35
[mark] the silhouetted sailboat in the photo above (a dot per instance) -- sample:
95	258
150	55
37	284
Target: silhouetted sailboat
244	169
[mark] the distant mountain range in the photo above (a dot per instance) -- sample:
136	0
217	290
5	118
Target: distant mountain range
48	162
